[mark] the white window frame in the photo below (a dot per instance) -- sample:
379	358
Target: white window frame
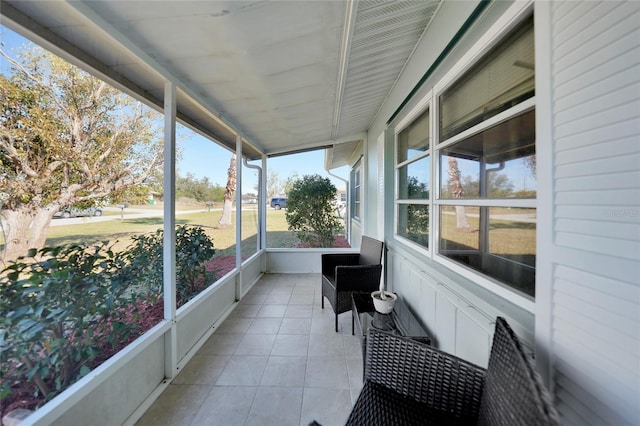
419	109
509	20
357	182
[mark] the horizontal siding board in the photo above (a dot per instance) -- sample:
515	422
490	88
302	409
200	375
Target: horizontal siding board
612	213
592	375
565	13
601	166
603	134
580	408
585	104
627	180
606	317
620	348
600	31
614	148
601	263
611	78
602	283
627	197
625	308
570	17
619	72
601	118
612	230
623	249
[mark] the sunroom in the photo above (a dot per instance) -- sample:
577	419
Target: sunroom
441	110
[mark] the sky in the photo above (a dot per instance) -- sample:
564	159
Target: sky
204	158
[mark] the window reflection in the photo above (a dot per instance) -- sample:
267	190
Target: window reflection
413	180
414	139
498	241
413	223
496	163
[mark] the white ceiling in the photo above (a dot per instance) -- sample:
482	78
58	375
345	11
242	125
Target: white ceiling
284	75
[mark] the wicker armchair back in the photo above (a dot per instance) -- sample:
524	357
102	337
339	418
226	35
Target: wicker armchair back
344	273
410	383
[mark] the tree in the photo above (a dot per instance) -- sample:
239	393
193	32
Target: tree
456	190
201	190
229	193
66	137
310	210
274	186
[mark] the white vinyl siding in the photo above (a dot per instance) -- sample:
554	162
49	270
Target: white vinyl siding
592	242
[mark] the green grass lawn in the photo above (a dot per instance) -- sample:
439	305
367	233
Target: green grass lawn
224	238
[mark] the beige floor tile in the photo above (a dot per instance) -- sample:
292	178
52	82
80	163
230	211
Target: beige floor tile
291	345
284	371
327	372
329	407
221	344
176	406
242	371
276	406
225	406
202	370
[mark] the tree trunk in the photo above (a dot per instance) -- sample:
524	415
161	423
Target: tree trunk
456	191
24	228
229	194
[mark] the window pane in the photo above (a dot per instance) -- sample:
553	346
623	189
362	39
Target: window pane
502	79
414	139
413	223
413	180
201	178
249	231
498	241
506	153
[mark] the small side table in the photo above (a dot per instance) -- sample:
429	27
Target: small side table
400	321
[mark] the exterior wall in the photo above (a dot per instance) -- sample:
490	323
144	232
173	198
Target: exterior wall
458	313
298	261
588	96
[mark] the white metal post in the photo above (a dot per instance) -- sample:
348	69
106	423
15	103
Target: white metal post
169	243
239	216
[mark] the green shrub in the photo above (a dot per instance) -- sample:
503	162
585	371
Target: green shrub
311	212
52	310
193	249
62	307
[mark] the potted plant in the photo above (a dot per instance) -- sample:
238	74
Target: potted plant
383	301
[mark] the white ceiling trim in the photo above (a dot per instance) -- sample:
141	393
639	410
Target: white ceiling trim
345	50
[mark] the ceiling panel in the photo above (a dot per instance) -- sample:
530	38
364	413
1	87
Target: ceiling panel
268	70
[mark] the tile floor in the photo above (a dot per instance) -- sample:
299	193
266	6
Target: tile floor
276	360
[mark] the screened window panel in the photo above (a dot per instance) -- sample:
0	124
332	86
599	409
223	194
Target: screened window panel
502	79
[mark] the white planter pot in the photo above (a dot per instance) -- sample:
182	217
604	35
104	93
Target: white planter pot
383	306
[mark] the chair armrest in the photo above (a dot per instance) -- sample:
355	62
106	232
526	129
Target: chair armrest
330	261
442	381
358	277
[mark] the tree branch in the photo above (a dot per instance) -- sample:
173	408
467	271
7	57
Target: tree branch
46	87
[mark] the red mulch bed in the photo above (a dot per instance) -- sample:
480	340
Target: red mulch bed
146	314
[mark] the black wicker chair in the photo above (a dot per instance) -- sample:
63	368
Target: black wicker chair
410	383
345	273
